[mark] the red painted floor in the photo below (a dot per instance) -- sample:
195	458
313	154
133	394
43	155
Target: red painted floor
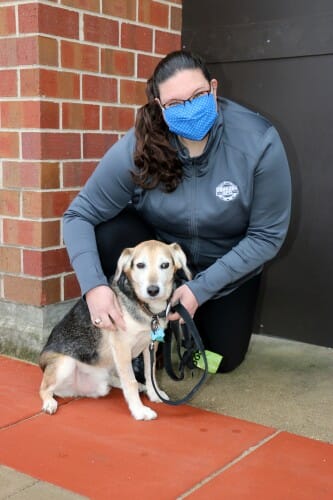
95	448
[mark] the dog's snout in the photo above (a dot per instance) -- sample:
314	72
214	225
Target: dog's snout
153	290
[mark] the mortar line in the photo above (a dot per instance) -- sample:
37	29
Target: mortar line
229	465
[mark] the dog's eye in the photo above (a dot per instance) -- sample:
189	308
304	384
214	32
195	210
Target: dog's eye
165	265
141	265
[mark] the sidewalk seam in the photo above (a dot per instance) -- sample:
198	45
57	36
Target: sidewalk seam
228	465
17	422
14	494
33	483
34	415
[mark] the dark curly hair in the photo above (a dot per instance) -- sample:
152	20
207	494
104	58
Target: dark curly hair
154	155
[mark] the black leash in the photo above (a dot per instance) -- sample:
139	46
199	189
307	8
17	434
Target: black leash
193	346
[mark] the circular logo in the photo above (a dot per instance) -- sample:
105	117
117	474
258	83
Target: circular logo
227	191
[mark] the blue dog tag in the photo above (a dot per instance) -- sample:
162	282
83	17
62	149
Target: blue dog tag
157	335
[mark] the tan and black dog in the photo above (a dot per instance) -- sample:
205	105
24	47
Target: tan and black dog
80	359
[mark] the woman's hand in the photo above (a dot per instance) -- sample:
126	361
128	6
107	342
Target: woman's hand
104	308
184	295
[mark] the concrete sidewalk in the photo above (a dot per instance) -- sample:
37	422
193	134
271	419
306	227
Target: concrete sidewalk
238	449
284	384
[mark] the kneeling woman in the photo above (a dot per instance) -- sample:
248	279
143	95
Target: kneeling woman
199	170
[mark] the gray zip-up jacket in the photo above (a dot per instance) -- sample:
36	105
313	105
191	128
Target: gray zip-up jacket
230	213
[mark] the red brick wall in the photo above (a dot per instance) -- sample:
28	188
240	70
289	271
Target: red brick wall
72	74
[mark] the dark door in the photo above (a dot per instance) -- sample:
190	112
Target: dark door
277	58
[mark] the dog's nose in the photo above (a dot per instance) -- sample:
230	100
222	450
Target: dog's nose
153	290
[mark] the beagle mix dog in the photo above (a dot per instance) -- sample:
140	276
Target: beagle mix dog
80	359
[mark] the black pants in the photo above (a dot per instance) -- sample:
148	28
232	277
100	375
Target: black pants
225	324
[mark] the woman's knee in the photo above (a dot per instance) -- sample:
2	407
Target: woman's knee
229	364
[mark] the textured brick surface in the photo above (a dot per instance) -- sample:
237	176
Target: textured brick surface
120	8
132	92
48	51
154	13
116	118
46	204
75	174
32	291
80	116
8	83
50	146
72	75
29	114
92	5
31	233
27	51
71	287
116	62
79	56
136	37
7	21
40	18
45	263
101	30
146	65
9	144
176	18
50	83
96	145
9	202
166	42
39	175
35	234
10	260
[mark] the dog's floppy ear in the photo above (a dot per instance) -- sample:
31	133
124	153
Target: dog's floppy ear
180	259
123	262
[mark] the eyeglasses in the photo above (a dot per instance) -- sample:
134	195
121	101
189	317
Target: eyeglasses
177	102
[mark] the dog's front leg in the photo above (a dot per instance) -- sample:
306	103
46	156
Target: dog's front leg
47	388
129	384
50	404
149	372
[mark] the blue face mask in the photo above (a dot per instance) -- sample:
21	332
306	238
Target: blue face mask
192	119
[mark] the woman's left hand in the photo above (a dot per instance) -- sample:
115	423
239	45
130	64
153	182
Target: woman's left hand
184	295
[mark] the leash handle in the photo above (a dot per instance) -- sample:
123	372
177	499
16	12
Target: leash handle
182	311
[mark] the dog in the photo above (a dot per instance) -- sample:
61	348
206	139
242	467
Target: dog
80	359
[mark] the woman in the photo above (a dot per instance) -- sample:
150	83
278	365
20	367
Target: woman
199	170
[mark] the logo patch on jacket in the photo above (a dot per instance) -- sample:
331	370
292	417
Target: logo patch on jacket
227	191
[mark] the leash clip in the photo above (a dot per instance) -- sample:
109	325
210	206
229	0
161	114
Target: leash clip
168	309
173	307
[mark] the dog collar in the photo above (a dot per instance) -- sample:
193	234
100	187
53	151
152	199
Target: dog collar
162	314
157	333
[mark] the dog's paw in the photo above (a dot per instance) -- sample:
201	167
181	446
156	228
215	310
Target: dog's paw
50	406
144	413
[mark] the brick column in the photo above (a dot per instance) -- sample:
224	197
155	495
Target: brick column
72	74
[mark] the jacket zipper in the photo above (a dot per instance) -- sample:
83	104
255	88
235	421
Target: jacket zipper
193	219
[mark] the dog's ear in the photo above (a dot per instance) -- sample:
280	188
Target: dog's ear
124	262
180	259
